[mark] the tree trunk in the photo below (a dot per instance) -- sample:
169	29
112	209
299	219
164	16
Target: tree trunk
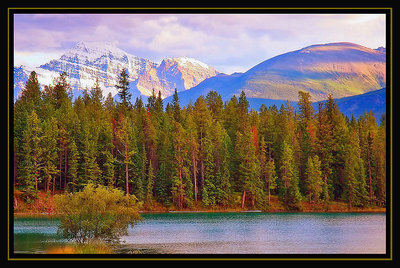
65	168
269	195
194	176
54	185
126	170
243	198
180	202
370	179
60	169
201	161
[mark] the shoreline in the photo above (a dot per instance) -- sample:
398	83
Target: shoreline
44	206
371	211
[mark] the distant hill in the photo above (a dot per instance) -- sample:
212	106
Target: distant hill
374	101
356	106
339	69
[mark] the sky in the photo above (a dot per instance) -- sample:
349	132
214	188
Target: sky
228	42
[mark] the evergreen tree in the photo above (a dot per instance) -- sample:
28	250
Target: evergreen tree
313	178
49	146
267	169
180	194
73	165
324	145
192	134
150	183
31	94
231	118
249	181
290	194
123	88
203	120
215	105
32	155
355	190
176	108
126	146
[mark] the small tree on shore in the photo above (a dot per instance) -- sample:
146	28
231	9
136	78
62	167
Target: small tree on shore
96	214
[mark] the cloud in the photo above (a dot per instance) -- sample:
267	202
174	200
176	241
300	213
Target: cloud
221	40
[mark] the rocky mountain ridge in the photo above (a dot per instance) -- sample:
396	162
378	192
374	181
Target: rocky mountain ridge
87	61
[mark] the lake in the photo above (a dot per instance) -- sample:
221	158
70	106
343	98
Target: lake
230	233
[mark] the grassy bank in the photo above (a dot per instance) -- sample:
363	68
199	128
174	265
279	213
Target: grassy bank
44	205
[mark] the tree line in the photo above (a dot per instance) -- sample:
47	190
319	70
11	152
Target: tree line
212	153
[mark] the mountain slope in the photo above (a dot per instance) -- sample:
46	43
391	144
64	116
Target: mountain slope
339	69
87	61
374	101
181	73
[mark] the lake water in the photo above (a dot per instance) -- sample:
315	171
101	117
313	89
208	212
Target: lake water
230	233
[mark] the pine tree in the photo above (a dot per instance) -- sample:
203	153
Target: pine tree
223	175
123	89
61	92
379	154
313	178
73	165
249	181
207	161
354	174
163	182
267	169
324	145
125	146
150	183
176	108
231	118
290	194
109	168
191	129
32	156
49	146
90	169
140	174
203	120
215	105
306	133
180	168
31	92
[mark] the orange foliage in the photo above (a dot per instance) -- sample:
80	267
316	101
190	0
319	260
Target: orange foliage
255	136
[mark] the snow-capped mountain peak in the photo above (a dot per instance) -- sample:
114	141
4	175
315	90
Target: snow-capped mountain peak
87	61
95	50
189	62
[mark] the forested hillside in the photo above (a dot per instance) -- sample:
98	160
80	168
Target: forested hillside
210	153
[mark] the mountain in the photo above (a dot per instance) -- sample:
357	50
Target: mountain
339	69
181	73
87	61
356	106
374	101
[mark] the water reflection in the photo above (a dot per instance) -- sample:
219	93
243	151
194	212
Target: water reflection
231	233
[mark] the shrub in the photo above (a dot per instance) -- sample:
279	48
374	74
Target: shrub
96	213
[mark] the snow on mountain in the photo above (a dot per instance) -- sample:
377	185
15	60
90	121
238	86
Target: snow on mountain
181	73
87	61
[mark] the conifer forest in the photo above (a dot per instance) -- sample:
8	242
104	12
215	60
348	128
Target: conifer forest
209	154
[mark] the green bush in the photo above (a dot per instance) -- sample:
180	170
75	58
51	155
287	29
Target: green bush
96	213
